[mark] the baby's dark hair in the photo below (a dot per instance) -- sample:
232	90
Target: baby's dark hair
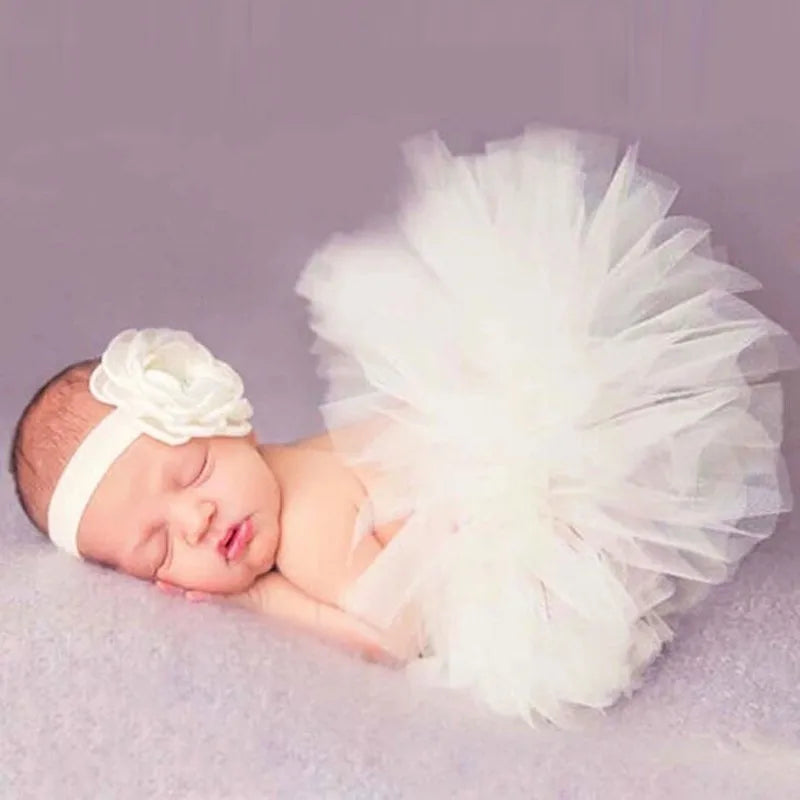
49	430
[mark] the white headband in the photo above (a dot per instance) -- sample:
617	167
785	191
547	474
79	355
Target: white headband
162	383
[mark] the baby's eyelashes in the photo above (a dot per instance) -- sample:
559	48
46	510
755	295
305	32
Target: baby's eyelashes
192	467
205	471
193	473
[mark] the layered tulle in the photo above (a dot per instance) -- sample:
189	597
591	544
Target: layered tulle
558	389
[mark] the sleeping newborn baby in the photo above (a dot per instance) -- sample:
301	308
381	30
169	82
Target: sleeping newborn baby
552	425
146	462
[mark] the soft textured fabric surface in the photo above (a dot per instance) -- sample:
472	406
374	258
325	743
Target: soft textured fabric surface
166	163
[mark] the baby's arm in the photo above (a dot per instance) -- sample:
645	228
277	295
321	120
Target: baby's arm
277	598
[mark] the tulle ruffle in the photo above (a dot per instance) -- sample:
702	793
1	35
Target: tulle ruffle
557	387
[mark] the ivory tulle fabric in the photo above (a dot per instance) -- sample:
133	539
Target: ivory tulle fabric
558	388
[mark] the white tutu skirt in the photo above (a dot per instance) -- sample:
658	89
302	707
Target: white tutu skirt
556	387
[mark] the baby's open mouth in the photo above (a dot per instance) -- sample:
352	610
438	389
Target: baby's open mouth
232	545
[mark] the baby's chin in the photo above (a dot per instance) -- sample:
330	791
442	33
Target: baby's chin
235	587
258	563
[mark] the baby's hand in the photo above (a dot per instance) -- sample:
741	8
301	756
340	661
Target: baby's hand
244	599
273	596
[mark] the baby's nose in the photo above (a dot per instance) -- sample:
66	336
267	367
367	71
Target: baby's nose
197	521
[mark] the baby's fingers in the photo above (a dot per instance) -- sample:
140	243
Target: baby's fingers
242	599
194	596
168	588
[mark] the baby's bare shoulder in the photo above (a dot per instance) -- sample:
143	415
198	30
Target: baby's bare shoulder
321	499
312	469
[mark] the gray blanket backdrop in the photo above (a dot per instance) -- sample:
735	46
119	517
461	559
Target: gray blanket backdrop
175	163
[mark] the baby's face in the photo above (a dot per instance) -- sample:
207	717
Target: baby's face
202	516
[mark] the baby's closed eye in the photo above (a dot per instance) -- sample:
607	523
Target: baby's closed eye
205	470
194	468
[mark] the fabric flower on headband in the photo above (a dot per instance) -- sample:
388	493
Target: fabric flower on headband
172	385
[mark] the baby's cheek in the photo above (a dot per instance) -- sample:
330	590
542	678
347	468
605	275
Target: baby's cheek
187	572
